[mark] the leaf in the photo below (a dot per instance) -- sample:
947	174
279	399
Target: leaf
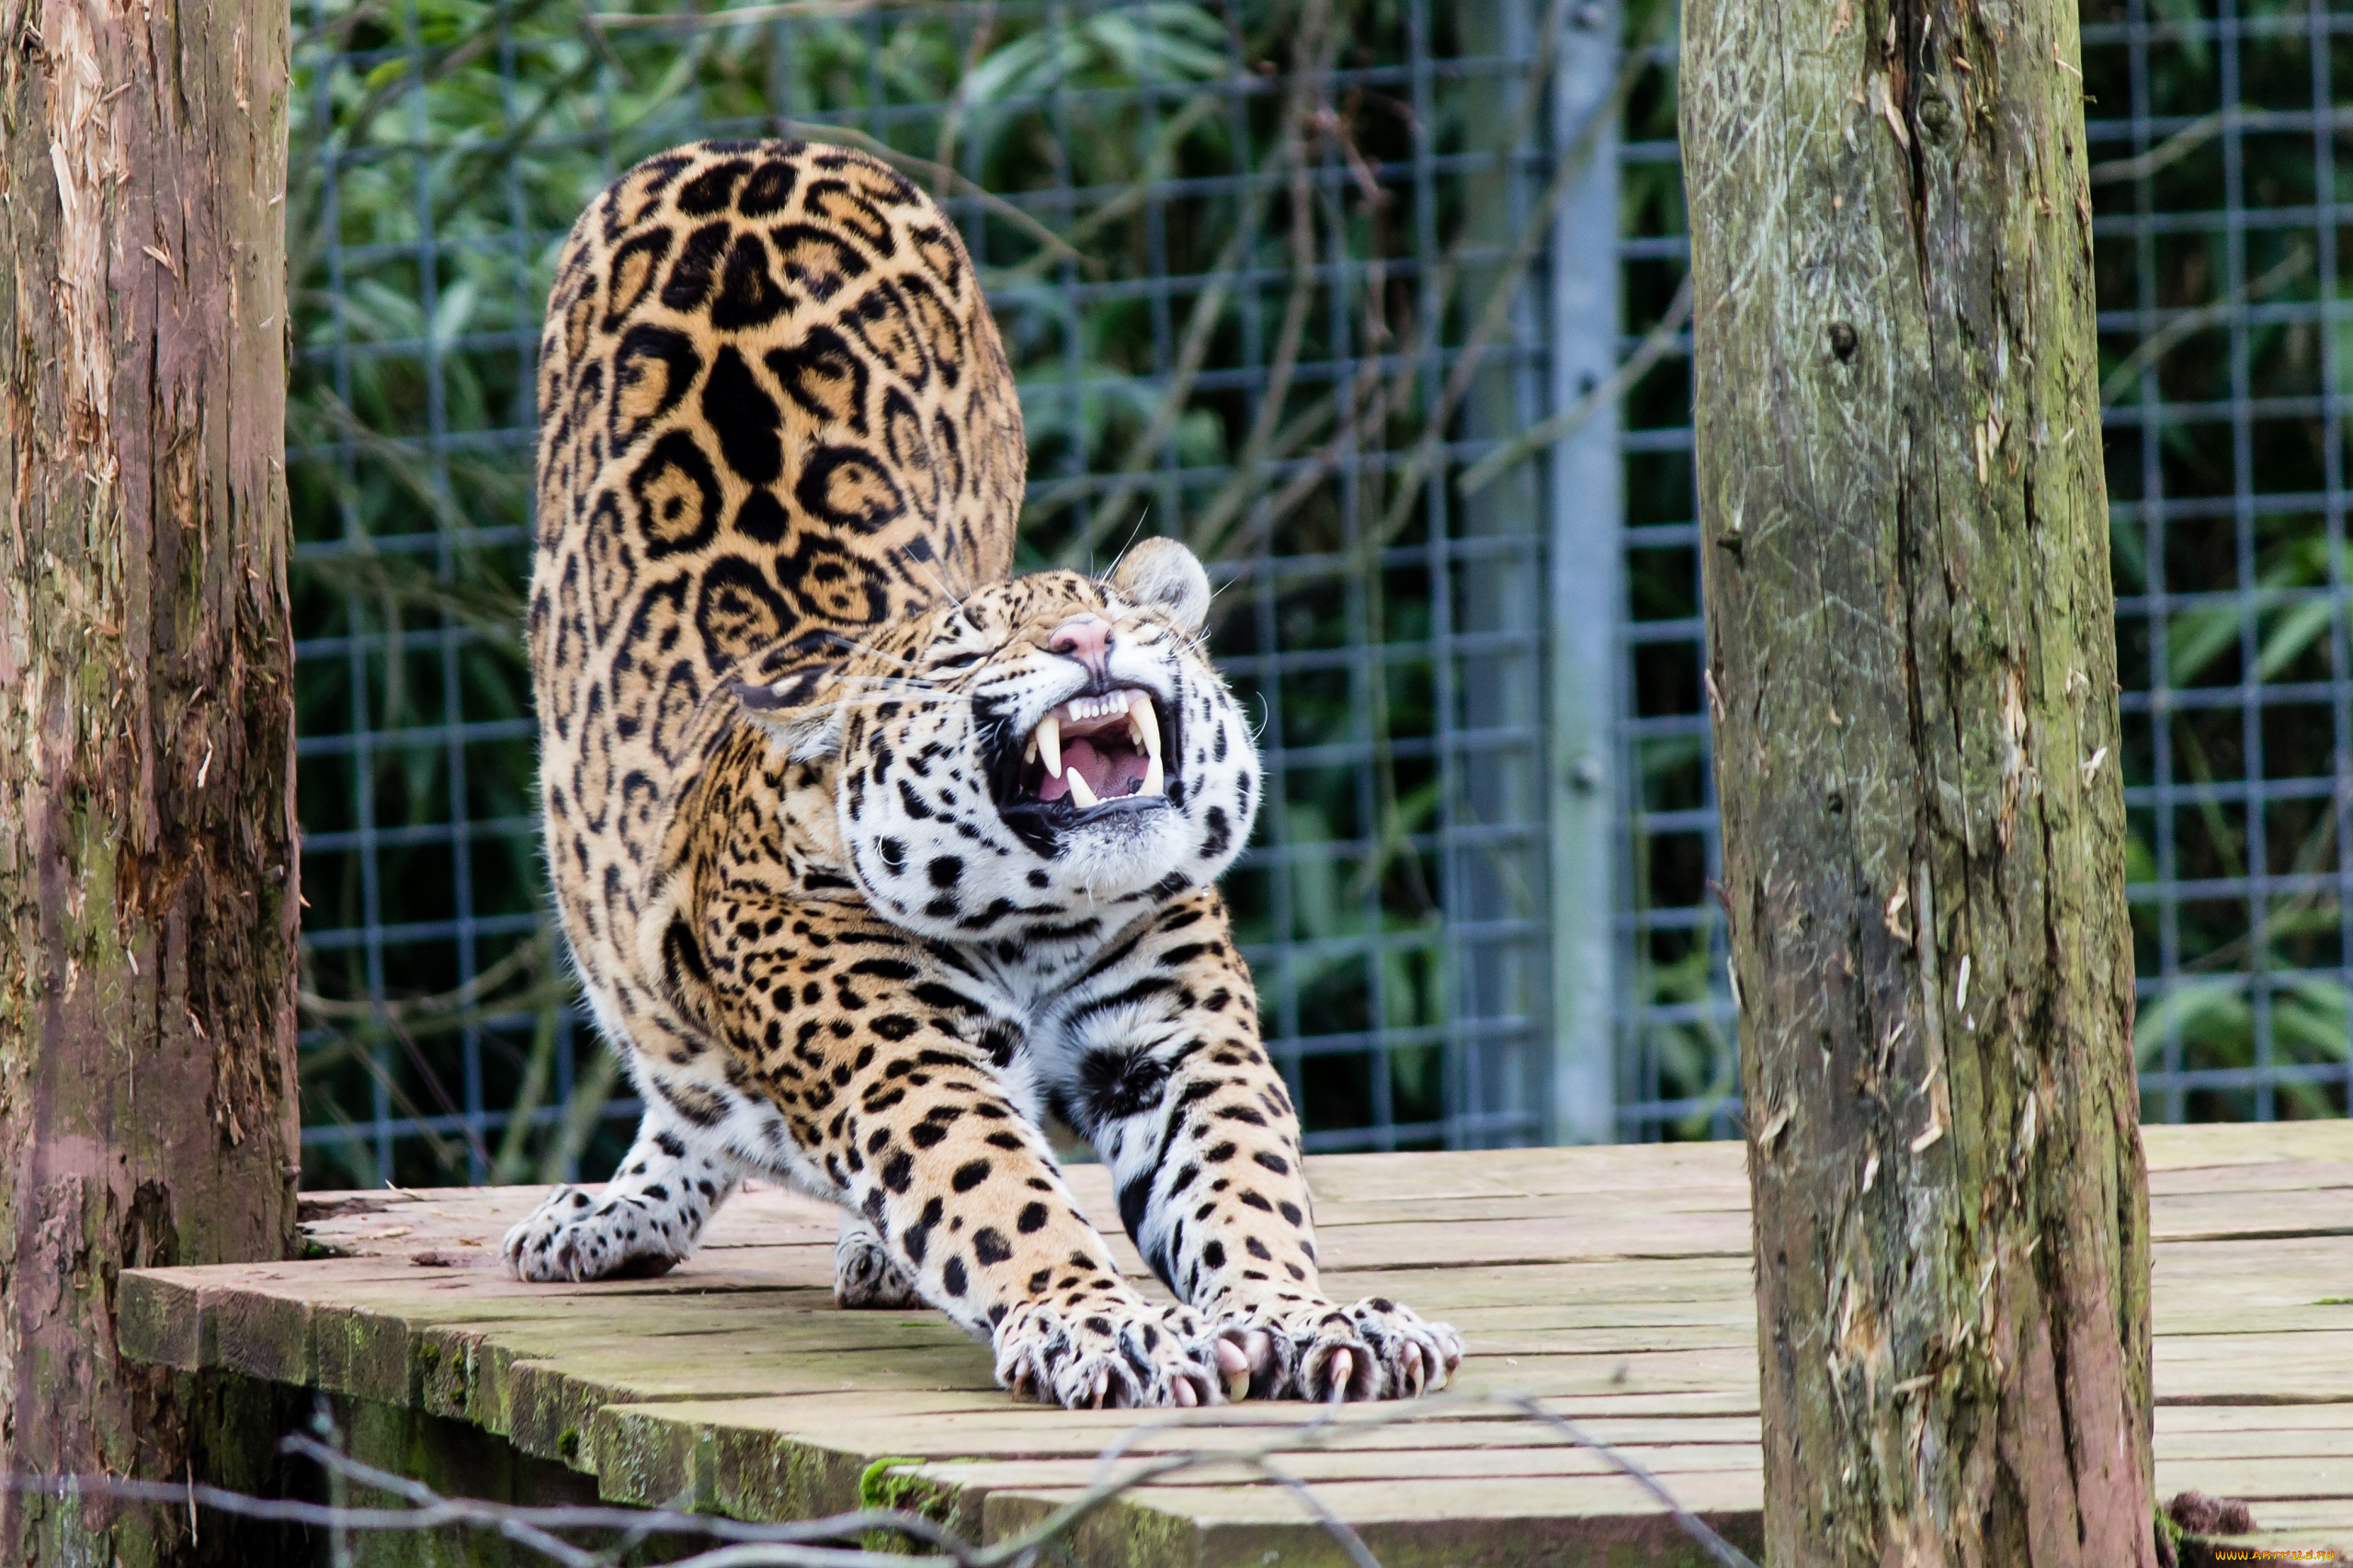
2205	1011
2294	632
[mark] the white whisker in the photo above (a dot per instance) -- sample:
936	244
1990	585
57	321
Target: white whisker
937	581
1132	534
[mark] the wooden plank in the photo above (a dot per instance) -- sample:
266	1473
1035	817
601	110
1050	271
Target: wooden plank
2235	1143
2256	1477
2187	1419
791	1457
1354	1189
1516	1503
2267	1176
1434	1291
2316	1265
1333	1216
2311	1367
2324	1442
2206	1318
2319	1211
1317	1466
1633	1168
998	1433
1614	1283
1133	1533
1470	1499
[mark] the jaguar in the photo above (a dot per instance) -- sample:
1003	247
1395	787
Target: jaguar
873	859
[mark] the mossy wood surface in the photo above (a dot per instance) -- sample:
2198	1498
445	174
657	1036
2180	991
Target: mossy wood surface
1913	694
1613	1283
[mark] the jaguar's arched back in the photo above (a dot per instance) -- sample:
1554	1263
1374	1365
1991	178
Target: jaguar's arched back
775	416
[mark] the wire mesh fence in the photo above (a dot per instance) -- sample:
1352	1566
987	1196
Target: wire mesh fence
2214	129
1267	276
1381	306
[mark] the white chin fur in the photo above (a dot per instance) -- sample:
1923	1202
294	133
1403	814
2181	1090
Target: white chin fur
1119	855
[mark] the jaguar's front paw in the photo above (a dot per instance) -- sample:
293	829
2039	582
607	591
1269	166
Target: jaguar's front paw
572	1236
1115	1356
1321	1351
864	1276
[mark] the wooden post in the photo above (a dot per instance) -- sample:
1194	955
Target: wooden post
1912	678
148	882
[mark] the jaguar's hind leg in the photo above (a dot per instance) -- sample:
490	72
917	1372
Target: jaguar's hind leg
645	1221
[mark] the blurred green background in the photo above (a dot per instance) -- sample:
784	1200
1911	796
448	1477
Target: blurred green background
1256	268
1281	279
2217	139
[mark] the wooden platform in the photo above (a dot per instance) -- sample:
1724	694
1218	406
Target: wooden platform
1611	1283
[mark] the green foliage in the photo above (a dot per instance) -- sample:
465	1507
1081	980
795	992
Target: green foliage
1212	259
2204	423
1208	232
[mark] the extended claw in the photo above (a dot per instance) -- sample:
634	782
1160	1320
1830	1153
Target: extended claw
1343	1364
1234	1368
1186	1395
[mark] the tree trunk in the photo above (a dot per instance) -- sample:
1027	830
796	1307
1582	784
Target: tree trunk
147	840
1912	678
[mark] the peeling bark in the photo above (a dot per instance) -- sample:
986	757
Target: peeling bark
1913	686
148	879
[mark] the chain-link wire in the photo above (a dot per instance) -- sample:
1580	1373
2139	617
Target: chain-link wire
2214	133
1271	277
1267	276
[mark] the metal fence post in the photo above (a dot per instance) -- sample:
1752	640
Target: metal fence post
1587	593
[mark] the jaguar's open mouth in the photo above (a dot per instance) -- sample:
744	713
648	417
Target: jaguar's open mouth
1095	751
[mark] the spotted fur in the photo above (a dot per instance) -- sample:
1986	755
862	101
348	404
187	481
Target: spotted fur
785	684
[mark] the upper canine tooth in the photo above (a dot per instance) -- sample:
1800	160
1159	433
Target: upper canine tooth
1050	744
1082	793
1155	781
1146	721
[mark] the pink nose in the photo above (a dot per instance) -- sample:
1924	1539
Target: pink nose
1084	639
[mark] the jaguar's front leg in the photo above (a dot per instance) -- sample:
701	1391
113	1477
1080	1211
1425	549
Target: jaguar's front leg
645	1222
898	1083
1159	1064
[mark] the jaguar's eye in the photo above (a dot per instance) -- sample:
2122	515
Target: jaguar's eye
956	660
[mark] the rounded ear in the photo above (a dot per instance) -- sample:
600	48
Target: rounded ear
799	710
1164	573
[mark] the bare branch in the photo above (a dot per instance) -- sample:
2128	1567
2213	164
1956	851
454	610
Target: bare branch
1692	1523
1537	437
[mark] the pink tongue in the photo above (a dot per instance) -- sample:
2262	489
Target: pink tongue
1108	776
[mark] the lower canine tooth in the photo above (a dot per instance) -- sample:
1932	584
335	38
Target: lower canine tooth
1080	791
